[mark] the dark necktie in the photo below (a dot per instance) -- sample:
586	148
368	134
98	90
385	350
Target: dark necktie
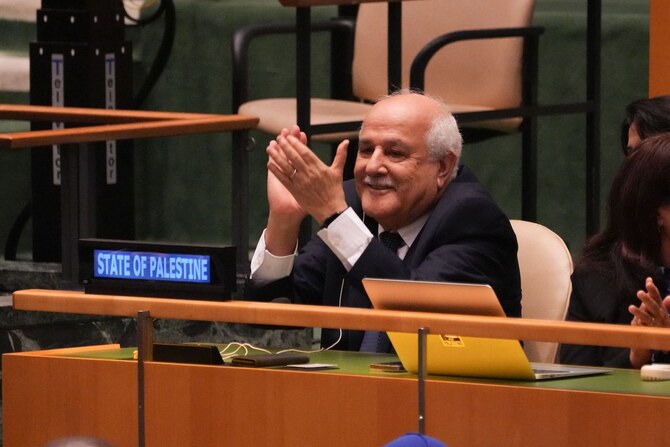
392	240
377	341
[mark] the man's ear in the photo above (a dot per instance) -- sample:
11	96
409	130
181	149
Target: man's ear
446	169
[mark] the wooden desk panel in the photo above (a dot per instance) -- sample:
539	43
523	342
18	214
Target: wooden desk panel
659	48
249	407
48	396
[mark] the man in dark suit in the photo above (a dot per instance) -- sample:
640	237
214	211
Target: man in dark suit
407	182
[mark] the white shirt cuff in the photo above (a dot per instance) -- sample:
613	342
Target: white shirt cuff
266	267
347	236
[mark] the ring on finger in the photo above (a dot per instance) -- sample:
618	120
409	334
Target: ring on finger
293	173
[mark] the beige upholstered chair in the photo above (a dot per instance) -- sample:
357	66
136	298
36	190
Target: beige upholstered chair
476	75
477	68
546	266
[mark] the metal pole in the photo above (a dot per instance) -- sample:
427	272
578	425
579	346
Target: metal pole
144	353
593	71
421	380
394	30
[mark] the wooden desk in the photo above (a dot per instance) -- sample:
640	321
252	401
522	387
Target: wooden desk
50	394
78	217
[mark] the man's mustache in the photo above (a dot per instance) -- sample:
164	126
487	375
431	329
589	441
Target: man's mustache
379	181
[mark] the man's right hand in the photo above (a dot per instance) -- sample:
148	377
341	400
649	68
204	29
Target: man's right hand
286	214
281	202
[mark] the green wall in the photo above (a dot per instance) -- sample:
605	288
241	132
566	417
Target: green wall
183	183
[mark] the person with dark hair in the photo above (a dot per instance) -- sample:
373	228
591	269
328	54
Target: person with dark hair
624	270
643	119
408	186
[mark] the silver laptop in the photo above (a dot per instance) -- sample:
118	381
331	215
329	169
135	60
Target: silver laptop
452	354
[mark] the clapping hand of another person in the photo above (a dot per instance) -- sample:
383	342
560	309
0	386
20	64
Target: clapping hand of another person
652	312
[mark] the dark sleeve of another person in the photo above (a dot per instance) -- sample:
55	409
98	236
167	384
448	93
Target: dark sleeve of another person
596	299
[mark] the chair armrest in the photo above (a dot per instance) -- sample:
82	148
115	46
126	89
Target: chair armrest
423	57
341	28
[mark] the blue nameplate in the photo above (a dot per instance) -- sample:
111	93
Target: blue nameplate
157	269
151	266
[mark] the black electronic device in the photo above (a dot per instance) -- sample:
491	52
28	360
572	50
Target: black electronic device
187	353
270	359
81	58
156	269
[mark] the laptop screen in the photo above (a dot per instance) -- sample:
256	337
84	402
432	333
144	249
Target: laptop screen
452	354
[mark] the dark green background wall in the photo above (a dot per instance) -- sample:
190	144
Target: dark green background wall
183	183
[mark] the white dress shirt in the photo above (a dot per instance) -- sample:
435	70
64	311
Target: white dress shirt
347	236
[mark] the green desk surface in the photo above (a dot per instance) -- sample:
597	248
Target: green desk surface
624	381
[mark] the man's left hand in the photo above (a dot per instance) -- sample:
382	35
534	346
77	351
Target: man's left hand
316	186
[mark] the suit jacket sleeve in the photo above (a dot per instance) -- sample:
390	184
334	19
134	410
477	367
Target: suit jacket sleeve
596	298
